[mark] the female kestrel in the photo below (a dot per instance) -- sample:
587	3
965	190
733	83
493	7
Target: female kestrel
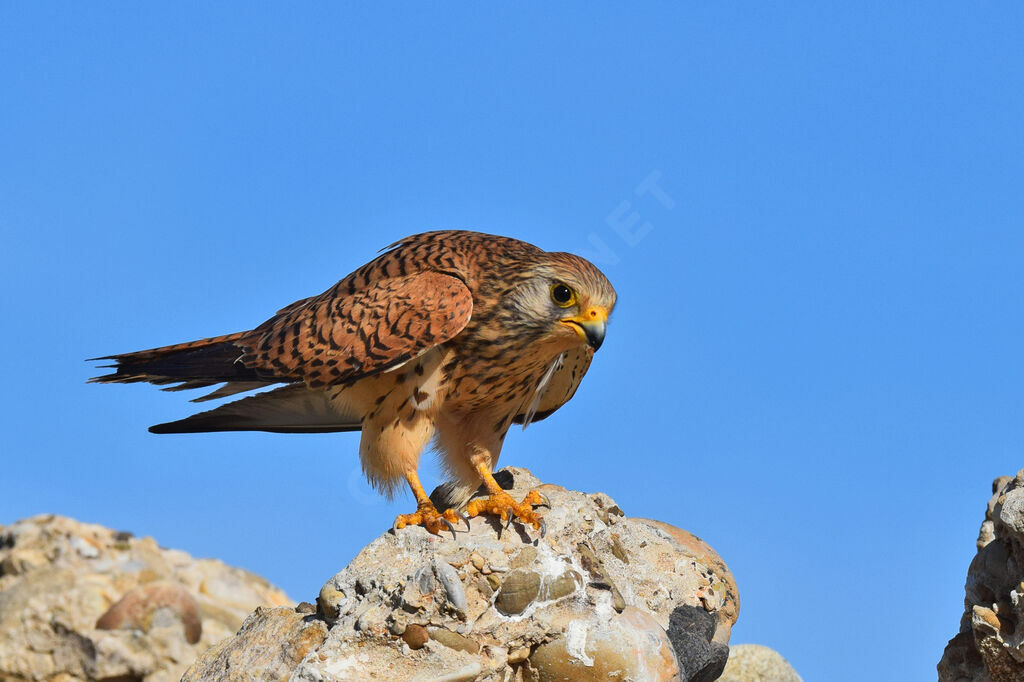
447	335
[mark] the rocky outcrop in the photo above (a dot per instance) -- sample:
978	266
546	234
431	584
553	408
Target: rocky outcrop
601	596
756	663
82	602
990	644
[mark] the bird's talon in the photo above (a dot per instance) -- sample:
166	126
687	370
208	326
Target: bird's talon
428	517
450	527
508	510
543	529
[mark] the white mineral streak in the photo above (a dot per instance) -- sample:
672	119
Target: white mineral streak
576	642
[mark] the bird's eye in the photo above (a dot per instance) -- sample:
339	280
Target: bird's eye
562	295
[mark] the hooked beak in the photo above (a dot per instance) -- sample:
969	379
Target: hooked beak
590	325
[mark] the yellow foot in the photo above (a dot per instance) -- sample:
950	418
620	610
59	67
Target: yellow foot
502	505
426	515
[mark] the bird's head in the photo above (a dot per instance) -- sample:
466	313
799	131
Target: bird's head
565	300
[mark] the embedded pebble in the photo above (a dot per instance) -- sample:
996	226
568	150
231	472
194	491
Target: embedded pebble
518	591
527	555
424	580
562	586
151	605
415	636
449	579
618	551
453	640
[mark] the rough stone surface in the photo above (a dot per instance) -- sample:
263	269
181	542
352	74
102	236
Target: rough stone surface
82	602
756	663
270	644
990	644
602	596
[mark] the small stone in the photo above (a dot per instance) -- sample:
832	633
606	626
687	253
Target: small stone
525	557
305	607
588	557
477	561
988	617
415	636
397	627
449	579
518	655
494	581
618	550
618	601
424	579
518	591
138	608
328	601
453	640
562	586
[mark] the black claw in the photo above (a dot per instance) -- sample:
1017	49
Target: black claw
464	517
544	501
503	528
450	527
543	529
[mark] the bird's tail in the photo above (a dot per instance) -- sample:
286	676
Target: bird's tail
189	365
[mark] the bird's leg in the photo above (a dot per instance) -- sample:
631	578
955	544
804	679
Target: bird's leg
501	504
426	513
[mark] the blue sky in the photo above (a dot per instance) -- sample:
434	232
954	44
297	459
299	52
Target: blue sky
815	360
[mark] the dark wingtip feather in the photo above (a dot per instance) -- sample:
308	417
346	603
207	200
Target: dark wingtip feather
188	365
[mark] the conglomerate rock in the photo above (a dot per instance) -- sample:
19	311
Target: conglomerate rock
601	596
756	663
990	644
82	602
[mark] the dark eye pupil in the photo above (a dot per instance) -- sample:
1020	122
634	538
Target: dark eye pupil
562	293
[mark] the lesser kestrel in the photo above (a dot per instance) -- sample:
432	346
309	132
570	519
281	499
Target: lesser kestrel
452	336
